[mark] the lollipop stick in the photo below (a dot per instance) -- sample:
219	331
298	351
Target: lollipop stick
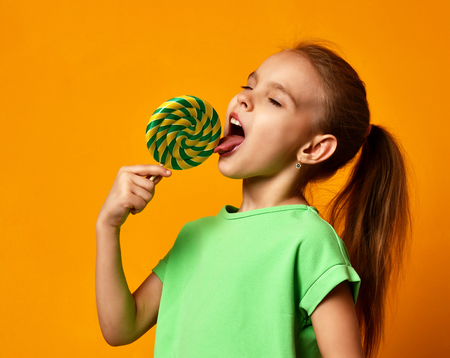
153	177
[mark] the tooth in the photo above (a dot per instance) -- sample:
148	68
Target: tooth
235	121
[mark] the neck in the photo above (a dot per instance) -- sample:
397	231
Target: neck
260	192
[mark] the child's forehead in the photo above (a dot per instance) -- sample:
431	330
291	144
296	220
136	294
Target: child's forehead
288	68
285	62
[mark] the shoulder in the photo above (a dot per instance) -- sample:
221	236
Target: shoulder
314	231
201	225
320	251
323	262
202	221
317	224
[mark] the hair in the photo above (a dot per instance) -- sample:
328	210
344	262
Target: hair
371	212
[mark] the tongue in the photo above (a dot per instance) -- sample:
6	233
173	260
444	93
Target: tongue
228	143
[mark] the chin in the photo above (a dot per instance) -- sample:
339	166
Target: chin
227	171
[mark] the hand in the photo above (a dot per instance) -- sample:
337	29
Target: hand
130	193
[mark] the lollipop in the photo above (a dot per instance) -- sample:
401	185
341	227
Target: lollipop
183	132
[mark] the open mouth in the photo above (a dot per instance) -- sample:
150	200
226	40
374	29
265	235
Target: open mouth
236	128
233	139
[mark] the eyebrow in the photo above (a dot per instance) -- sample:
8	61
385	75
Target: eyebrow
275	85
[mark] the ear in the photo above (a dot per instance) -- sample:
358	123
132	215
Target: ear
320	148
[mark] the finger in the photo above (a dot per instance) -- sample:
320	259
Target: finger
149	169
137	205
142	193
143	182
158	179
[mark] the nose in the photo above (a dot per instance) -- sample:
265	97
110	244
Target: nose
245	100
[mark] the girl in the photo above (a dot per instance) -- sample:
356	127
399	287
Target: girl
271	279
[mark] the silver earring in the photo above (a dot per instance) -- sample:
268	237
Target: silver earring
298	165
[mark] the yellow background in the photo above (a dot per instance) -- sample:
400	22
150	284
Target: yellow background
79	80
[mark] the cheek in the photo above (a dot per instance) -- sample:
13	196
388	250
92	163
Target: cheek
231	105
230	108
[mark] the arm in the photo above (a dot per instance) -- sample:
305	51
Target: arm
124	317
336	326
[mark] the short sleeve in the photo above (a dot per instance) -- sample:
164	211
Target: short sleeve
323	264
325	283
160	268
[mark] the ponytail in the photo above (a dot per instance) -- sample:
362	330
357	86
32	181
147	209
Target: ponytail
371	214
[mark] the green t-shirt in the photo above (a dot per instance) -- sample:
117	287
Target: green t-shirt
245	284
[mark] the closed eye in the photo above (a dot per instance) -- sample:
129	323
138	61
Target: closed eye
246	87
275	103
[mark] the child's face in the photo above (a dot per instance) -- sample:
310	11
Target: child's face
276	110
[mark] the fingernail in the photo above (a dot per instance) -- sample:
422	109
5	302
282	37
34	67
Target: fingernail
168	172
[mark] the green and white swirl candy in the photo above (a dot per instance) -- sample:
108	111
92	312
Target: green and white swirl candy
183	132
